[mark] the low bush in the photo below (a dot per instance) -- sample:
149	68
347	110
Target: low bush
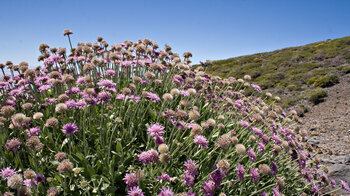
318	96
326	81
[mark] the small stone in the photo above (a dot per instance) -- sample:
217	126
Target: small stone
313	141
347	160
313	129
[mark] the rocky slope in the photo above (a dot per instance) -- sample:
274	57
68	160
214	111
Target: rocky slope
327	130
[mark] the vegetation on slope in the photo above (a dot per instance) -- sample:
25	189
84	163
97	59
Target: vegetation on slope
294	73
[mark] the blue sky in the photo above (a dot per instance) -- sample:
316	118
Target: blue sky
210	29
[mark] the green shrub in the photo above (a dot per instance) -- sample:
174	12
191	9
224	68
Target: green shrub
318	96
326	81
344	69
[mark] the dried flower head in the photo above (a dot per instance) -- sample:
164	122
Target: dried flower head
163	148
67	32
13	144
164	158
61	108
194	115
224	141
15	181
38	116
196	129
51	122
224	165
60	156
53	191
28	174
18	118
174	92
264	169
167	97
24	191
65	166
240	149
7	110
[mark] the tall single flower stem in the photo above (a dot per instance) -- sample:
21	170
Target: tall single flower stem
70	43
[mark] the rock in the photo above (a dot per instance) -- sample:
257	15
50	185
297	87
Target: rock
313	141
313	129
347	160
339	172
331	128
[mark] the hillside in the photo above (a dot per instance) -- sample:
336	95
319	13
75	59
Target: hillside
297	73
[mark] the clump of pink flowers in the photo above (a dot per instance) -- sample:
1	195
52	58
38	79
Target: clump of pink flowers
134	118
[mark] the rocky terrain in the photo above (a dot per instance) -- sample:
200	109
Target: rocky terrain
327	129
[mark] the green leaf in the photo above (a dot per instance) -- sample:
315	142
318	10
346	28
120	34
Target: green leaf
119	147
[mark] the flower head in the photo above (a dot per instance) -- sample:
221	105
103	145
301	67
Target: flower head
165	191
252	155
135	191
15	181
153	97
7	172
13	144
164	177
240	172
33	131
69	129
149	156
208	188
131	180
254	174
155	130
345	186
201	141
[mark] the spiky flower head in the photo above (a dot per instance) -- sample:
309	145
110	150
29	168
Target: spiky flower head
7	110
164	158
24	191
131	180
201	141
165	191
69	128
264	169
7	172
135	191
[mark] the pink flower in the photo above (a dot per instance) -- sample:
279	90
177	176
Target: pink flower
70	128
33	131
7	172
155	130
153	97
201	141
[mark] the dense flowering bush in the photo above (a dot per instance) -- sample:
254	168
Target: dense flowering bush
133	119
